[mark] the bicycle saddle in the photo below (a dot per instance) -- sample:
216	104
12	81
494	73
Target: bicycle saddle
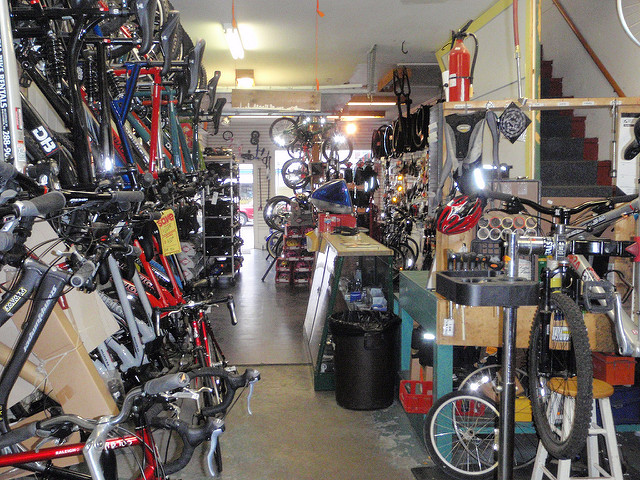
633	149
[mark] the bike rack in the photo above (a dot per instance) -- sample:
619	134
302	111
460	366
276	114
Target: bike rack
489	288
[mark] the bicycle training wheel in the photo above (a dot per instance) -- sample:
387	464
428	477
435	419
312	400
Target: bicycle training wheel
561	377
629	15
283	131
461	435
295	173
337	147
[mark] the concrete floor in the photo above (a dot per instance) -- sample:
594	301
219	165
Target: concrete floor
295	432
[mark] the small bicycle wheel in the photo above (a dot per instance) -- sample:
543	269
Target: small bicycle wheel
295	173
560	377
461	435
283	131
276	212
337	147
629	15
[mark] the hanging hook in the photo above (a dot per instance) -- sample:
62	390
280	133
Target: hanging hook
402	48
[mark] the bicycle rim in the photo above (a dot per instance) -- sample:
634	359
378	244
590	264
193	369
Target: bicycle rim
283	132
560	360
629	15
295	173
460	432
337	147
276	212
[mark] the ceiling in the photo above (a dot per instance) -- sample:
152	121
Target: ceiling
279	38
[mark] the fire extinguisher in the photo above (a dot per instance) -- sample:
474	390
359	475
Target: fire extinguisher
460	66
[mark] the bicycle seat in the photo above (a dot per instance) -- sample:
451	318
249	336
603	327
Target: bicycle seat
633	149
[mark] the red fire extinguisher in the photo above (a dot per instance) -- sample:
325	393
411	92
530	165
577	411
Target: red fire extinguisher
460	66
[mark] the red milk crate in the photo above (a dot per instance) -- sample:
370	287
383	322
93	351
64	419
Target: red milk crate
416	396
613	369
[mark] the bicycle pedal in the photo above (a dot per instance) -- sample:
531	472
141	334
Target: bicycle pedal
598	296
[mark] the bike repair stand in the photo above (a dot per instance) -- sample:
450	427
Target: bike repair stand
487	288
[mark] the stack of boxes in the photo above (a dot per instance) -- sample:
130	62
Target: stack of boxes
296	263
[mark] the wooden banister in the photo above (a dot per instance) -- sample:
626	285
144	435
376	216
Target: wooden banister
589	50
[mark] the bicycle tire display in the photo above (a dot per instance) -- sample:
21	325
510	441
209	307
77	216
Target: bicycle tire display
276	212
560	360
283	132
295	173
337	147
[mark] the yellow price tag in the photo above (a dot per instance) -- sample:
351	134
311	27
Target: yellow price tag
169	237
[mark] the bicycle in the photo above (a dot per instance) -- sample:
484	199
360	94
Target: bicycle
559	350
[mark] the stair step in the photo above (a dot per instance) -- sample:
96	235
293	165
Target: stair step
562	126
546	68
604	172
551	87
561	149
593	191
590	151
568	172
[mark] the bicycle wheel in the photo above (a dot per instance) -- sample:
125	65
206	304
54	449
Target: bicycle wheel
398	137
283	131
629	15
276	212
461	435
337	147
485	381
560	362
295	173
274	244
410	258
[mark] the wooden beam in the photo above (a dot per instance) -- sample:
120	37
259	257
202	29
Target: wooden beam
296	101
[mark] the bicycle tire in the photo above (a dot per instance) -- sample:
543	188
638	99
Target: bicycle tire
452	439
414	246
283	131
572	364
274	244
295	173
398	137
276	212
387	141
629	15
337	147
410	258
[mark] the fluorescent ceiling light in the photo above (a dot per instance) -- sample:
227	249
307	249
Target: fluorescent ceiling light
348	118
373	104
233	40
373	100
245	78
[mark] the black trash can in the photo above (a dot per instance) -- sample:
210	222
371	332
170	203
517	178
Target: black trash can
365	358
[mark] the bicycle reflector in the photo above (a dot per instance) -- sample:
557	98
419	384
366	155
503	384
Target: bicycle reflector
332	197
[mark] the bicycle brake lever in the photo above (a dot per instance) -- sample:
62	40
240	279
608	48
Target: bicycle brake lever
213	443
249	395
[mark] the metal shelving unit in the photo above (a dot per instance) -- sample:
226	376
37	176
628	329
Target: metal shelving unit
220	223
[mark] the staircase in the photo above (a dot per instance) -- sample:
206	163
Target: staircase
569	165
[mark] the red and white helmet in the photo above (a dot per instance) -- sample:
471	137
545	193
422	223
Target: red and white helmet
460	215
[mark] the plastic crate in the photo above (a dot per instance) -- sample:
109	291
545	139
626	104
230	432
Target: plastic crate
416	396
625	405
613	369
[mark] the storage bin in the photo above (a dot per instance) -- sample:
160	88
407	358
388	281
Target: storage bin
416	396
625	405
613	369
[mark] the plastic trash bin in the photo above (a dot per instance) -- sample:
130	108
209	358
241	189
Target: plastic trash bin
365	358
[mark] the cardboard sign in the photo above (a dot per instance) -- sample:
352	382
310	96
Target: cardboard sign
169	233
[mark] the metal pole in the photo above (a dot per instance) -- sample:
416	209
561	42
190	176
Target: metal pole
508	394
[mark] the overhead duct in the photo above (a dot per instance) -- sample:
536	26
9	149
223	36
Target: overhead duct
371	69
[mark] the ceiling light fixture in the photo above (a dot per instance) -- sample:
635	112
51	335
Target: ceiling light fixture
245	78
234	41
349	118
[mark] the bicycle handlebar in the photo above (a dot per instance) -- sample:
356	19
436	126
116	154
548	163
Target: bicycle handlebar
42	205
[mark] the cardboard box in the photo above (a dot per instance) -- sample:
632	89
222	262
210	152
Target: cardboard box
416	370
482	327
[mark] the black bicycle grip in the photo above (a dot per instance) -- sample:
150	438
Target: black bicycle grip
7	171
194	62
231	305
167	35
83	275
42	205
623	199
18	435
132	196
166	383
145	14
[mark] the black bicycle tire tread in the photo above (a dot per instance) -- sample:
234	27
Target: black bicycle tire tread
294	185
267	208
582	410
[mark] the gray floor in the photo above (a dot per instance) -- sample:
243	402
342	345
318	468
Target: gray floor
295	432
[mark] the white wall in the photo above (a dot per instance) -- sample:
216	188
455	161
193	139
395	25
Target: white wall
598	22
